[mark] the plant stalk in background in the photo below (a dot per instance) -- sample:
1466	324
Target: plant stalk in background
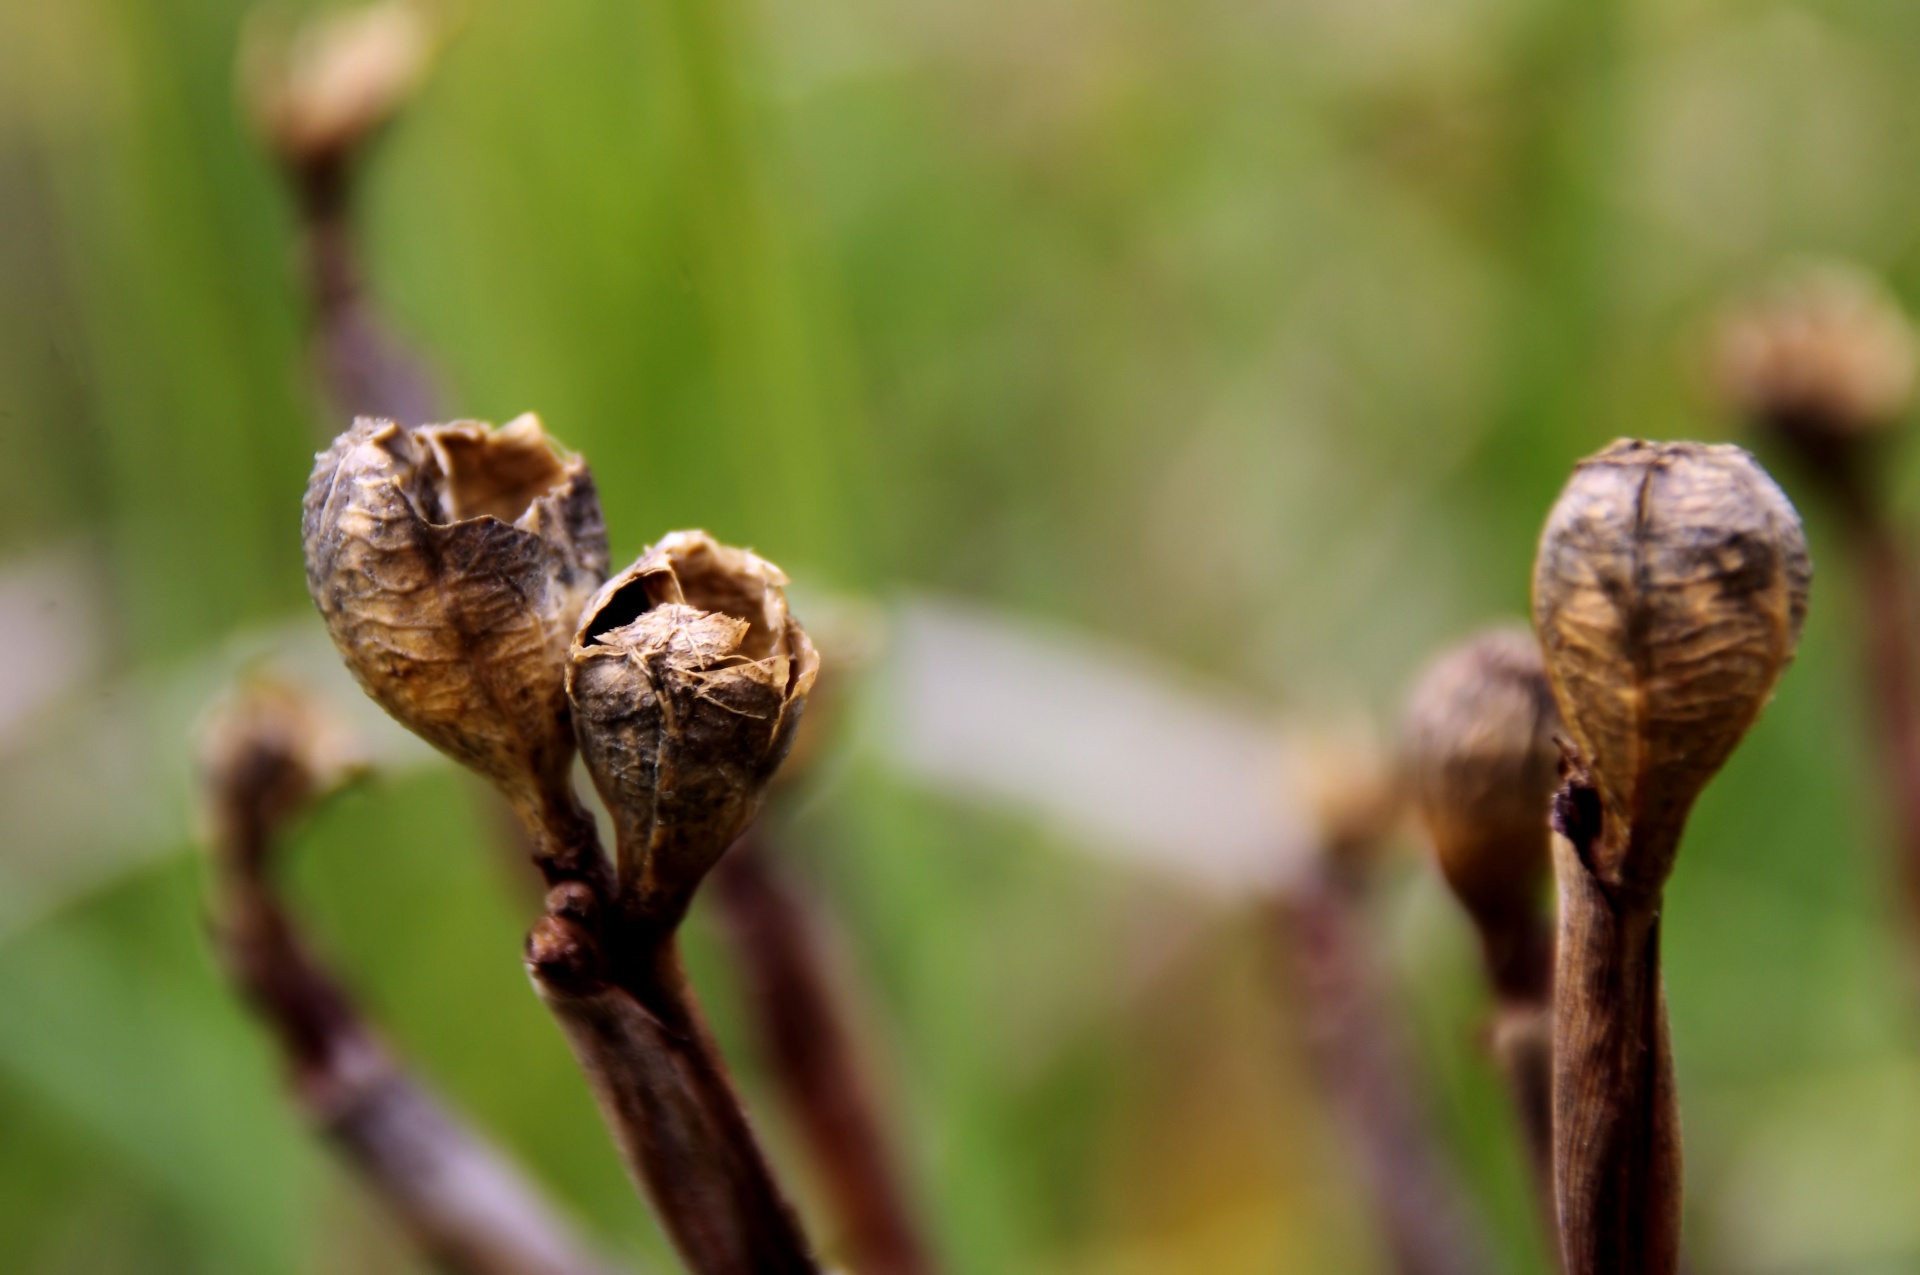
465	1207
1668	595
801	1008
804	1036
319	96
1821	365
1481	764
1355	1039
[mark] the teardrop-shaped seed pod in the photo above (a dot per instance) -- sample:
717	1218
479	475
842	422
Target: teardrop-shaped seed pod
688	677
1482	765
1668	595
450	563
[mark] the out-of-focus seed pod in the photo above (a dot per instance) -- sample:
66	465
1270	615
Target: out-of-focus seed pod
1349	789
320	91
1823	355
1481	763
450	563
1668	596
267	749
687	677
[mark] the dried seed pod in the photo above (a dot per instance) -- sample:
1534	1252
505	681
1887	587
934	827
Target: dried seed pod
687	678
450	563
321	90
1823	354
1668	595
1482	765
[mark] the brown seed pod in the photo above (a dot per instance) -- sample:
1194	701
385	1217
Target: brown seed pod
687	678
450	563
1822	354
1481	762
1668	596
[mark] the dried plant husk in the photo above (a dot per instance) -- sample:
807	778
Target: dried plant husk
1668	595
688	678
1478	748
450	563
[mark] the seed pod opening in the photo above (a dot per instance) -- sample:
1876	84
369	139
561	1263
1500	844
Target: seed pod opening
450	563
1668	595
687	678
1482	766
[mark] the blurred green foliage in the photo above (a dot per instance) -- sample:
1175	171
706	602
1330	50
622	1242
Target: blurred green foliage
1259	335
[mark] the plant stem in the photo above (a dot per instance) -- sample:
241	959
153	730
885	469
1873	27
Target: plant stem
1616	1123
1887	594
1842	468
1361	1060
466	1207
1518	952
809	1046
363	368
664	1092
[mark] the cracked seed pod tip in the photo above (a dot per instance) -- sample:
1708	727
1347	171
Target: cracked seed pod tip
450	563
1668	596
1481	763
687	677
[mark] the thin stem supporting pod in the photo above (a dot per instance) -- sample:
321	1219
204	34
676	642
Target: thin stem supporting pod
1482	766
1668	596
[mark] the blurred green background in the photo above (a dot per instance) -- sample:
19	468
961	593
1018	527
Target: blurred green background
1256	334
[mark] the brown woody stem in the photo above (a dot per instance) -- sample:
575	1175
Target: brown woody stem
1359	1056
1616	1124
363	368
806	1040
1522	1048
1843	468
1888	595
465	1207
1517	951
664	1092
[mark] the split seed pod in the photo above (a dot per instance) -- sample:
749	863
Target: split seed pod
1482	765
450	563
687	677
1668	595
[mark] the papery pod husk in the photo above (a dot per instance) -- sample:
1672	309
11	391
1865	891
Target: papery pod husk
688	678
450	563
1668	596
1481	763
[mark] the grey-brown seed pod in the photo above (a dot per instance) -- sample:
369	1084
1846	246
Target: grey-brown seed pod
1668	595
1481	763
450	563
687	677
